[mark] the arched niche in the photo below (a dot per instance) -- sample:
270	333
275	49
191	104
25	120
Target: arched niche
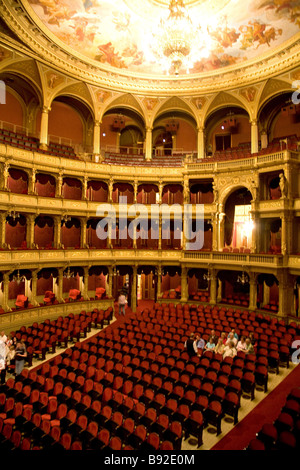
237	225
279	119
23	98
174	131
122	130
227	128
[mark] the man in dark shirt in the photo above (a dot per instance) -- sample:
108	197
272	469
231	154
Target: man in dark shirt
190	346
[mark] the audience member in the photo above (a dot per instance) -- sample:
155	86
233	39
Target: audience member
232	338
219	348
249	347
241	345
229	350
122	303
3	352
223	337
235	335
214	337
191	346
210	345
200	343
20	356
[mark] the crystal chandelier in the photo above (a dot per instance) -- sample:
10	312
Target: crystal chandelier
243	279
176	38
18	278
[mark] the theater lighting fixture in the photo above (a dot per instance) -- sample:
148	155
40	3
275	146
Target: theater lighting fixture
243	279
18	279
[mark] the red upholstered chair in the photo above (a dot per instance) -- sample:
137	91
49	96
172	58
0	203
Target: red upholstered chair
74	294
99	294
22	301
49	297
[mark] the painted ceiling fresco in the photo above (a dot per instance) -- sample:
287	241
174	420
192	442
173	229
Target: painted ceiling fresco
119	32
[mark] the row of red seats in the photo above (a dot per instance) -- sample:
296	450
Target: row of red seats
43	338
284	432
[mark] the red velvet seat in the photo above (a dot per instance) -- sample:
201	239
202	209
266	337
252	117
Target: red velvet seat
74	294
22	301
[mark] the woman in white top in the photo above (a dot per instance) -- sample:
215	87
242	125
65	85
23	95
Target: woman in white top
242	346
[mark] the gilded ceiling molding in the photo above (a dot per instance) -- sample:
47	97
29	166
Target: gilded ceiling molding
279	60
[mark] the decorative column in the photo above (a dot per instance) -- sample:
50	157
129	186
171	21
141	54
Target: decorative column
5	306
201	143
221	243
254	136
34	279
286	233
135	191
83	222
133	288
3	216
31	181
159	273
58	186
109	284
30	219
96	141
60	285
160	190
213	286
252	291
285	295
44	128
160	231
86	282
84	188
4	176
184	284
214	221
57	231
148	144
110	190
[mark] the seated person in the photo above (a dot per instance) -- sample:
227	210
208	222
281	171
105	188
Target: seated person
249	347
220	346
229	350
210	346
231	338
200	343
241	345
234	334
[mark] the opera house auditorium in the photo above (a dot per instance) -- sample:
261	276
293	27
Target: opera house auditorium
149	159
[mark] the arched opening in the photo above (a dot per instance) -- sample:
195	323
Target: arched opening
228	133
174	133
234	287
122	132
238	224
279	119
267	292
146	282
44	232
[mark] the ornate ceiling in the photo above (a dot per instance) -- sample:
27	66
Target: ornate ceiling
117	33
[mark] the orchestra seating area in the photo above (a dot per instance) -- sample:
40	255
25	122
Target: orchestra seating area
132	385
